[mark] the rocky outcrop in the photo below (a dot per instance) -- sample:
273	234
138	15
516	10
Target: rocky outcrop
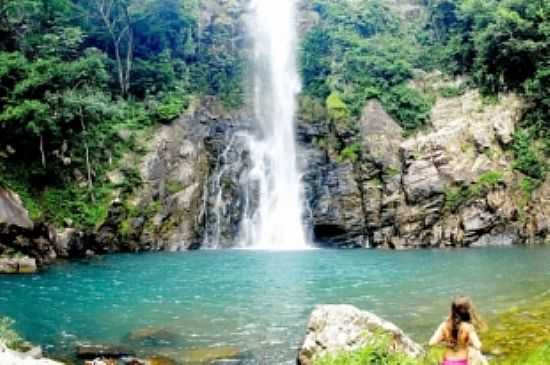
344	328
12	211
432	189
10	357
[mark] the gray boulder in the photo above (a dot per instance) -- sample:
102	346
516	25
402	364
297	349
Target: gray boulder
12	211
17	265
336	328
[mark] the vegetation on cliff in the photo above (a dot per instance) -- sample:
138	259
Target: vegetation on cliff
504	46
80	78
362	50
83	81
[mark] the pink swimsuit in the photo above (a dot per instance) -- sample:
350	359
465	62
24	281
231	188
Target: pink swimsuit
455	362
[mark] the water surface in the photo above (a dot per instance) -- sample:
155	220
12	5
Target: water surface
259	301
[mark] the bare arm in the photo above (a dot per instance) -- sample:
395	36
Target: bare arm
437	336
474	339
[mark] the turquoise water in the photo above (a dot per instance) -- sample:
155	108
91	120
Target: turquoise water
258	301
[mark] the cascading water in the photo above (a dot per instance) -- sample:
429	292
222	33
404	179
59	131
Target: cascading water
276	222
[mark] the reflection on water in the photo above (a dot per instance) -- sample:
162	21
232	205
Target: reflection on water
258	302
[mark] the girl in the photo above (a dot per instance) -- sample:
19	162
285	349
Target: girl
459	336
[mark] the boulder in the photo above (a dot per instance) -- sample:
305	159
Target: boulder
18	265
504	239
12	211
422	181
336	328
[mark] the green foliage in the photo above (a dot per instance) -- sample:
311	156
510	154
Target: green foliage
8	336
351	153
376	352
170	108
537	357
528	185
505	46
490	180
526	159
455	197
336	108
62	104
408	105
358	51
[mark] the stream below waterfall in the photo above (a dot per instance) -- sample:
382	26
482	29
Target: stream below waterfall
257	301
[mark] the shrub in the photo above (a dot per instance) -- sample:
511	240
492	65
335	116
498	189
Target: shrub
8	336
528	185
351	153
336	108
170	108
526	159
377	352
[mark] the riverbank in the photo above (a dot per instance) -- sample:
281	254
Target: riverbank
518	335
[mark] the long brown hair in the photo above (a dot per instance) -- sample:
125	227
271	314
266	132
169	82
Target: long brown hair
462	311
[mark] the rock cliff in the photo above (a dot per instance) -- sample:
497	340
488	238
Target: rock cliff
449	185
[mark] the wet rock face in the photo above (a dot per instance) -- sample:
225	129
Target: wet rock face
227	195
337	328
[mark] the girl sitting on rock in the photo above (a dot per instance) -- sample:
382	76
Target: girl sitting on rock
458	334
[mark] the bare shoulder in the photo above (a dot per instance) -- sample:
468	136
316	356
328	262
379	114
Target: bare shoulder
467	327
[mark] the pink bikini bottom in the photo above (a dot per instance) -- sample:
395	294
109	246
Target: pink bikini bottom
455	362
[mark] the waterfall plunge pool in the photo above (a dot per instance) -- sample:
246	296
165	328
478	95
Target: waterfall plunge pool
257	301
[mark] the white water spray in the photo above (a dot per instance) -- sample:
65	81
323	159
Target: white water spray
277	222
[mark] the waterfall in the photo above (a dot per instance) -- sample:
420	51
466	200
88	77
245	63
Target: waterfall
277	220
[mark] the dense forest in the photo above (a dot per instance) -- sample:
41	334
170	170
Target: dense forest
364	50
76	76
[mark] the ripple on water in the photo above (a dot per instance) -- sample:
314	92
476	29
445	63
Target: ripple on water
259	302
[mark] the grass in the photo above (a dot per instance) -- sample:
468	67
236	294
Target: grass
377	352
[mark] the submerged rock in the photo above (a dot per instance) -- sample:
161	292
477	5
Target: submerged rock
210	355
151	336
101	351
336	328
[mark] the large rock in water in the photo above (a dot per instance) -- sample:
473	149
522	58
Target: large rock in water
336	328
12	211
18	265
